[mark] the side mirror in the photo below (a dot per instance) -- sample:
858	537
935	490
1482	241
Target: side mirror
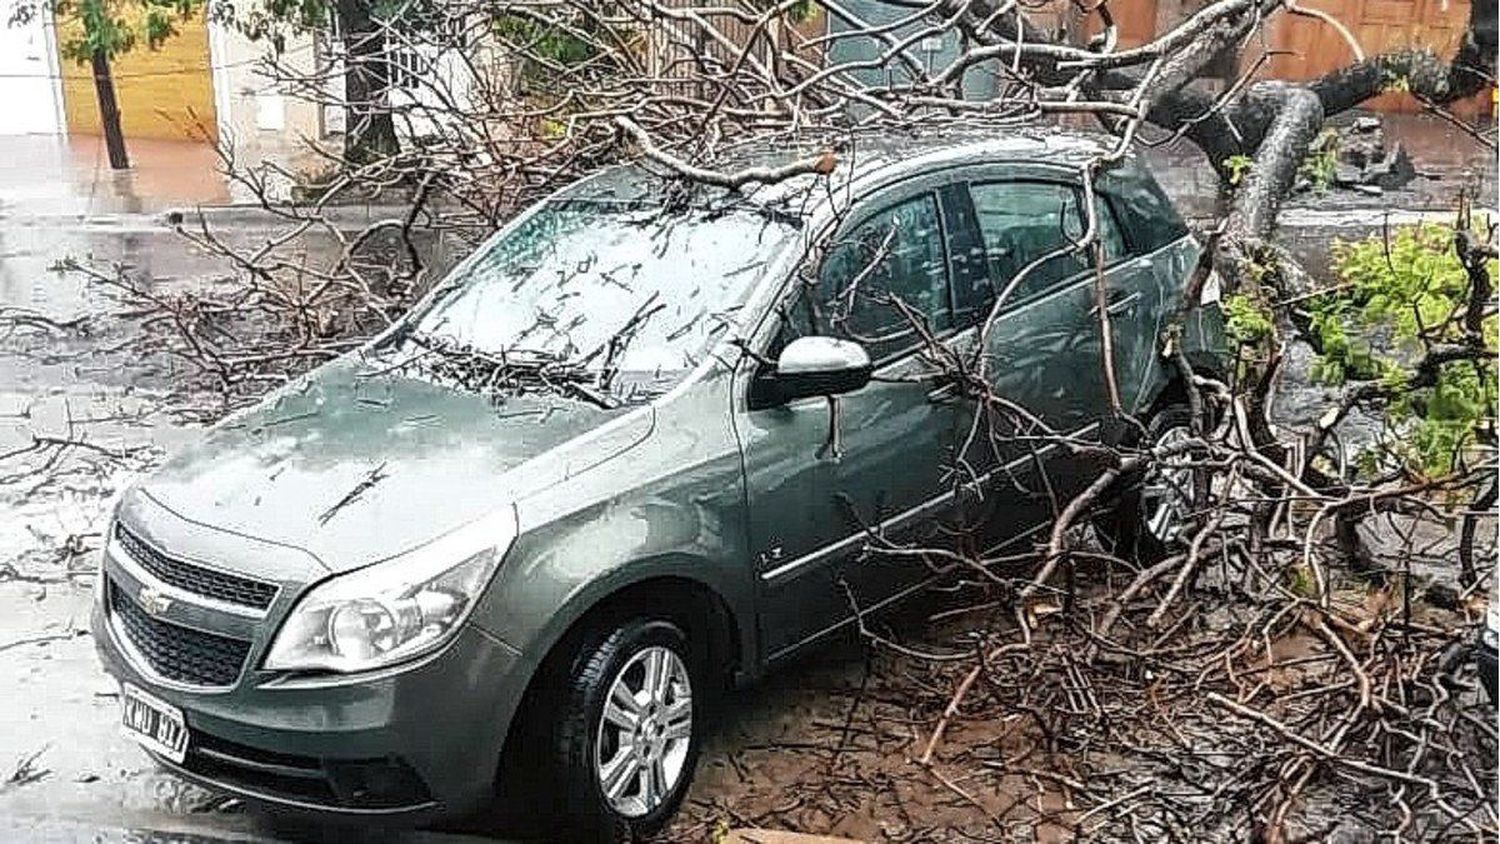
820	366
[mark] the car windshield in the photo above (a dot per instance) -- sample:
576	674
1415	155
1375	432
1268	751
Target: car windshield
609	301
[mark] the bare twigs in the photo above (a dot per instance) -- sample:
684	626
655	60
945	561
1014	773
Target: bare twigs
1230	678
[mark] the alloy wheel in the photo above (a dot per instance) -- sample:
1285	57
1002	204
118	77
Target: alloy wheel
645	732
1167	496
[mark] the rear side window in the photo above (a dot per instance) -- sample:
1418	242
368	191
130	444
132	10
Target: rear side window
1146	213
895	254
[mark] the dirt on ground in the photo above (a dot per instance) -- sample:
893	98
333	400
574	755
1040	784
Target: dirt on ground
1054	741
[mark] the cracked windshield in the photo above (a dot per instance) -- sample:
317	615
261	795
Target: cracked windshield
612	302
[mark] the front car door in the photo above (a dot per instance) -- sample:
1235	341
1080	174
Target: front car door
828	478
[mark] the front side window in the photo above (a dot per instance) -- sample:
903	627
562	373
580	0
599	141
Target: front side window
886	272
610	300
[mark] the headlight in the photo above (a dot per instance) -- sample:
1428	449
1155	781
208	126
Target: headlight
395	609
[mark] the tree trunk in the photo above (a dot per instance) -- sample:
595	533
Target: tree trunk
369	129
109	113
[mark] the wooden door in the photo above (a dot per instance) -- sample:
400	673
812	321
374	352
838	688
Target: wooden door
1135	21
1314	47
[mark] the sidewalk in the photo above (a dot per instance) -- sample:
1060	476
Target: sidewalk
1446	157
48	180
43	175
70	176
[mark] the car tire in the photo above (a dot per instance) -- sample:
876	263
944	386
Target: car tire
1142	525
606	785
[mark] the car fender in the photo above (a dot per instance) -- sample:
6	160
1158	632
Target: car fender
557	574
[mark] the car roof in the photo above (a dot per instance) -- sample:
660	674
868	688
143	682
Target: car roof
867	157
867	152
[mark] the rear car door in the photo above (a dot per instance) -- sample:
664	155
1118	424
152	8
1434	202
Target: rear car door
824	478
1043	351
1146	285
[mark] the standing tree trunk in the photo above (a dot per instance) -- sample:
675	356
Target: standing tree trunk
109	112
369	129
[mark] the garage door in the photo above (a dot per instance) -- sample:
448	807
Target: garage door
1379	26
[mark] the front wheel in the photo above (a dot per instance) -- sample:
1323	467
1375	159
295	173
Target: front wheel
1154	511
627	733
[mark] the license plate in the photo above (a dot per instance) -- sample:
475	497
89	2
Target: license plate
154	723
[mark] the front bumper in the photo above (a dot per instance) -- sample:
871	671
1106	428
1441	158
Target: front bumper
411	743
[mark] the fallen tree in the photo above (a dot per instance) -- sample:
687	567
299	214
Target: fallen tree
1272	676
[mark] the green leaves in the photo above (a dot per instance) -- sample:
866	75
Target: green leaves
1398	297
1247	320
548	41
1318	167
113	27
158	28
1321	162
1237	166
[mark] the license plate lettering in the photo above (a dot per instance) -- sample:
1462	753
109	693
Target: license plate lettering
154	723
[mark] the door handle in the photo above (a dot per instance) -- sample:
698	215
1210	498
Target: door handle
1119	300
945	394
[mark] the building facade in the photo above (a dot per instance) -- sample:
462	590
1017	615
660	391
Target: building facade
206	82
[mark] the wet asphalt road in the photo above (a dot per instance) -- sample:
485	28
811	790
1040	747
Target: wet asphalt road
66	771
210	829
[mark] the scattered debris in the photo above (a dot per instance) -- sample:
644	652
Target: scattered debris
27	771
43	639
375	476
1366	164
775	836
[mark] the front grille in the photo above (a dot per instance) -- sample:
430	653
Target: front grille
218	585
176	652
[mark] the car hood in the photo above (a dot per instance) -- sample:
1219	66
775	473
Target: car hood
355	463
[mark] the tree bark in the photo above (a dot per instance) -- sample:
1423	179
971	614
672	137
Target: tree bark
109	113
1419	71
369	128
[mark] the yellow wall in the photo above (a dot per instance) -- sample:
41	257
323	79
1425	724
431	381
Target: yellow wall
165	93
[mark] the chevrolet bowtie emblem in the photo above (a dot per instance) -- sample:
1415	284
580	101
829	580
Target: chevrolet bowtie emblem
152	601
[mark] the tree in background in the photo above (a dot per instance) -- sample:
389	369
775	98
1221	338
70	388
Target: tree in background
103	30
363	31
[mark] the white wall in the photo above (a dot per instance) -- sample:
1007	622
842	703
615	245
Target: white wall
30	83
252	111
